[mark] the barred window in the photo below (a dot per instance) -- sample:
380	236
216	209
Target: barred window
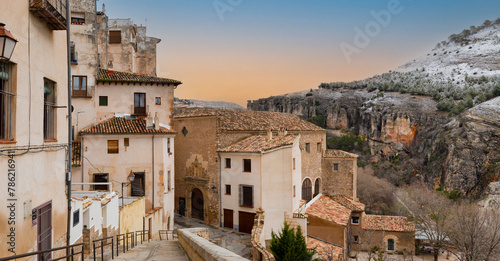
7	101
307	189
49	119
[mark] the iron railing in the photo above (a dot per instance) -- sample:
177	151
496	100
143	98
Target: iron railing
103	243
142	234
173	234
52	11
69	254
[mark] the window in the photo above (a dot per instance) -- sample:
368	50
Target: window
76	217
169	182
139	103
308	147
103	100
293	160
246	196
79	85
126	142
355	220
77	18
317	185
390	244
318	147
307	190
115	37
7	102
101	178
228	163
293	190
158	100
335	166
168	145
228	189
74	58
138	189
356	239
247	165
49	102
113	147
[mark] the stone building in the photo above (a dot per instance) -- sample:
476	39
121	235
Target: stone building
33	128
339	225
202	132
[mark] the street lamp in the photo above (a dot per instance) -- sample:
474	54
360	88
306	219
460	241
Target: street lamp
7	43
130	178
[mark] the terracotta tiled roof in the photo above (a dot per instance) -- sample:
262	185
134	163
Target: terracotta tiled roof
152	211
114	76
328	209
325	250
338	154
260	143
387	223
242	120
119	125
349	203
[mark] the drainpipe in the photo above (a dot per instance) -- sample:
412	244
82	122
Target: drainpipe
68	174
220	189
82	149
153	155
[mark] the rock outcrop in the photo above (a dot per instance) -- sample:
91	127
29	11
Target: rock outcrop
458	152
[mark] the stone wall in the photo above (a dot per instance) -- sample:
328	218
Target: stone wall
259	251
404	241
342	181
198	248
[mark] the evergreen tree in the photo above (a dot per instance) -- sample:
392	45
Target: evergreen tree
290	245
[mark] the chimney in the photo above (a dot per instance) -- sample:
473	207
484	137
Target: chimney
157	121
282	132
269	134
149	121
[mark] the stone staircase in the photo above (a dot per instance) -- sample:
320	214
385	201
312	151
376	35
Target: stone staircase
150	251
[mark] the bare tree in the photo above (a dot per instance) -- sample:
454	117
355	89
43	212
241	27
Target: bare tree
475	233
430	211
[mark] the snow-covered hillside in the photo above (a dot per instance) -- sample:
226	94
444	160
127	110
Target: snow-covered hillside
459	73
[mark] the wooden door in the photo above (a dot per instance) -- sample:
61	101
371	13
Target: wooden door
197	204
245	220
139	103
228	218
149	228
44	230
182	206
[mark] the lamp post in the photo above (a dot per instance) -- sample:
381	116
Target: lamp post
7	43
130	178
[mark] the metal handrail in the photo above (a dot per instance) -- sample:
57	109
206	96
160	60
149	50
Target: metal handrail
104	242
141	233
69	257
118	243
131	236
166	233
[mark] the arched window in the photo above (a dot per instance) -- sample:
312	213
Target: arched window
317	185
307	189
390	244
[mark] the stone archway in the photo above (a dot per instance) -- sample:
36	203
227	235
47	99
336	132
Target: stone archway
197	207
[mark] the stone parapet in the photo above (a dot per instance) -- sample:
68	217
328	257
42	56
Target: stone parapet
195	243
259	252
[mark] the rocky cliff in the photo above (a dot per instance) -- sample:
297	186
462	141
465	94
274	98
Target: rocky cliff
458	152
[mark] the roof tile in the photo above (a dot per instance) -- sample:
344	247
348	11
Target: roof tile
119	125
325	250
107	76
260	143
387	223
328	209
243	120
338	154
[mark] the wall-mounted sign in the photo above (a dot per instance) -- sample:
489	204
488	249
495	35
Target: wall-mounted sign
34	217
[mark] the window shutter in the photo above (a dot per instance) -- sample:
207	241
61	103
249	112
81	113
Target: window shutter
240	193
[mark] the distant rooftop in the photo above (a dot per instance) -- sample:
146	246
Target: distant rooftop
338	154
243	120
114	76
387	223
260	143
328	209
118	125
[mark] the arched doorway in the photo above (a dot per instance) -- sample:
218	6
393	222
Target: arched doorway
197	204
307	189
317	185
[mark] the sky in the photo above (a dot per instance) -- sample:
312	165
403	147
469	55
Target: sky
239	50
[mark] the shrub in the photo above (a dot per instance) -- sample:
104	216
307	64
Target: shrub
290	245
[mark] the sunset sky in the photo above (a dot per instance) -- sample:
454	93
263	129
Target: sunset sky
239	50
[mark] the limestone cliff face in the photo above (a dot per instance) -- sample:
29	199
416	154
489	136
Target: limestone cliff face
442	149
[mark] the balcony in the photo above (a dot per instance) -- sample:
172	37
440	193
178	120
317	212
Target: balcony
52	11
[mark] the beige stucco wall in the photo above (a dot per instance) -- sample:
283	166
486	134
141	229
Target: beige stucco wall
325	230
156	223
132	216
43	57
137	157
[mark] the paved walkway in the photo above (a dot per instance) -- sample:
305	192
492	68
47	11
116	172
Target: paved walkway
155	250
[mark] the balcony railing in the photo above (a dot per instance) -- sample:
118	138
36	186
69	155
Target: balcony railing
52	11
77	153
